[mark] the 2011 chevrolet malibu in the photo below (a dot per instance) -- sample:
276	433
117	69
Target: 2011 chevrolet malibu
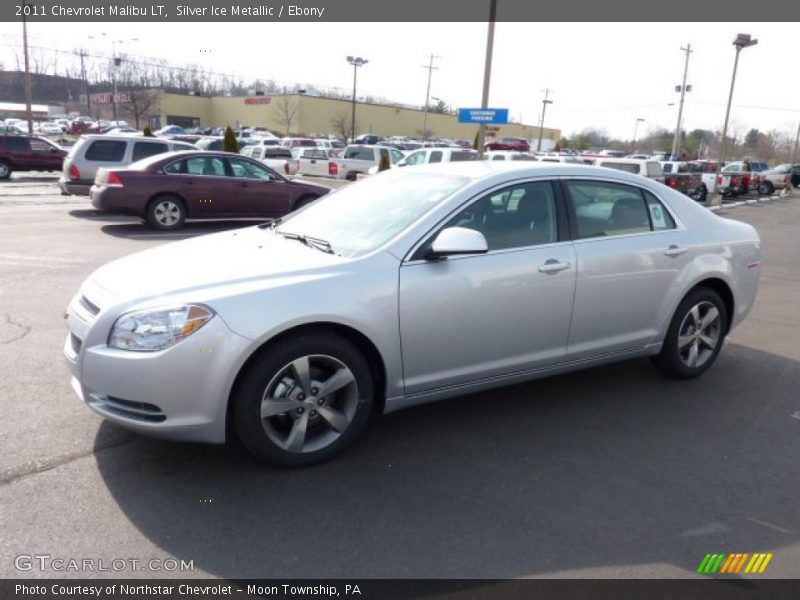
414	285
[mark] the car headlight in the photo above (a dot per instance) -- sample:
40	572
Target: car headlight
156	329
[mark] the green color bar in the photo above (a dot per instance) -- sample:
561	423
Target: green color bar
718	564
701	568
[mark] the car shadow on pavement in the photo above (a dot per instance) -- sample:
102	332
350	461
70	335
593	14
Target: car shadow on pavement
613	467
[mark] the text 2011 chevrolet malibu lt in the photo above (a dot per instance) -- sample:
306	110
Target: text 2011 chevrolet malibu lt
414	285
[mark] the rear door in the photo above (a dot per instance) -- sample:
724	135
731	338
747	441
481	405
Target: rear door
19	149
204	184
630	250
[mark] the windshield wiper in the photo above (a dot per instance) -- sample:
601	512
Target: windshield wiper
309	241
271	224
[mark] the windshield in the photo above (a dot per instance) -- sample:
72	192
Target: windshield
360	217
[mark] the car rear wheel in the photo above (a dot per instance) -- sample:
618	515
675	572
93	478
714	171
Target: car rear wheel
303	401
166	213
700	194
5	170
695	335
765	188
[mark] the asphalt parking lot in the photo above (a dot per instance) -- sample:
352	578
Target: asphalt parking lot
610	472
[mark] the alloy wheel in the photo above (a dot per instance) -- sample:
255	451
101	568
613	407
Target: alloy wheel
167	213
699	334
309	403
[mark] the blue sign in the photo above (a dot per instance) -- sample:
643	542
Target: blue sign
489	116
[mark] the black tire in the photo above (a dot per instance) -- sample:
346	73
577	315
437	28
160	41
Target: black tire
352	175
271	375
700	194
166	212
674	360
303	201
765	188
5	170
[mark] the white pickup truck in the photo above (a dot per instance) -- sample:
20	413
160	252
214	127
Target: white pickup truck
275	157
311	161
359	158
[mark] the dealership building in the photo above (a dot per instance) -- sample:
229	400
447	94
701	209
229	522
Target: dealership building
304	114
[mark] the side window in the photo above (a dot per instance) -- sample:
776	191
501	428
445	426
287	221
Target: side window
209	166
518	216
397	156
659	216
416	158
176	168
605	208
40	146
144	149
18	144
498	157
249	170
106	151
667	168
436	156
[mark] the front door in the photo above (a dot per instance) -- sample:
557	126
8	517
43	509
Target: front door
259	192
475	317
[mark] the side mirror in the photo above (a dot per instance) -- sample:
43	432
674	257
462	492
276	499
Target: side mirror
457	240
402	163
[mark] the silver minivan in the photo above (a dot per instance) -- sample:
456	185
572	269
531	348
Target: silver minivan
92	152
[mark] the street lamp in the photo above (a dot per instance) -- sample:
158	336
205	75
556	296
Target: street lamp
635	130
545	102
356	61
743	40
117	61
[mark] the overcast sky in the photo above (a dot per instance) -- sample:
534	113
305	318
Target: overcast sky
602	75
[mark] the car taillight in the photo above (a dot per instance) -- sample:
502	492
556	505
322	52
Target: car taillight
672	182
286	167
333	169
113	179
720	179
74	173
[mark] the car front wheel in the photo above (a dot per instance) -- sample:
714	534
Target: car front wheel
304	400
765	188
5	170
695	335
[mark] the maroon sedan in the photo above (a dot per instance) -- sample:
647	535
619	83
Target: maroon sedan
509	143
167	189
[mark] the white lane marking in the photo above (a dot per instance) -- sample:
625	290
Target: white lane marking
40	258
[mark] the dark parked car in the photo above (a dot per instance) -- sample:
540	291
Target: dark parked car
28	153
509	143
166	190
368	139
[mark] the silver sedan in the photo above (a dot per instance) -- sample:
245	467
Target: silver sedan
414	285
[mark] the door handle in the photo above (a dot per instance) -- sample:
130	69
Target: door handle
674	250
553	266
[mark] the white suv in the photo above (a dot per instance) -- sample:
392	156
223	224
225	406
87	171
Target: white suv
92	152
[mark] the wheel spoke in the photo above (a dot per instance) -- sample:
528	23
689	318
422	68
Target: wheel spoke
297	436
277	406
684	340
337	420
711	316
695	312
709	341
694	350
335	382
302	374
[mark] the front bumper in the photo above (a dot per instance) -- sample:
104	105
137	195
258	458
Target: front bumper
179	393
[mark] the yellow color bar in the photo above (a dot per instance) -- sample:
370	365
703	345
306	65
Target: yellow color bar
764	564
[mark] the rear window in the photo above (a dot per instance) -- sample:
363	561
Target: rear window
627	167
106	151
460	156
360	153
144	149
273	152
305	143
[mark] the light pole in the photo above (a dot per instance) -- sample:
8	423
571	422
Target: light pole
683	88
545	102
28	92
635	131
356	61
743	40
116	63
430	68
487	74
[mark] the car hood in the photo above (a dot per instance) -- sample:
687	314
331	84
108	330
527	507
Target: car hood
203	264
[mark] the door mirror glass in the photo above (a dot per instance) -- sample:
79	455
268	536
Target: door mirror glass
402	163
457	240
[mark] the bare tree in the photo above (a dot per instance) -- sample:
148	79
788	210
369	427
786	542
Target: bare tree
341	125
286	109
142	103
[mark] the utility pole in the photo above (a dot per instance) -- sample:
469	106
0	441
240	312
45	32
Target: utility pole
796	142
82	54
545	102
430	68
487	73
683	90
28	92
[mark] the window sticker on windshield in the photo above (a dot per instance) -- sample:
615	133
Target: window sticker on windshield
657	216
